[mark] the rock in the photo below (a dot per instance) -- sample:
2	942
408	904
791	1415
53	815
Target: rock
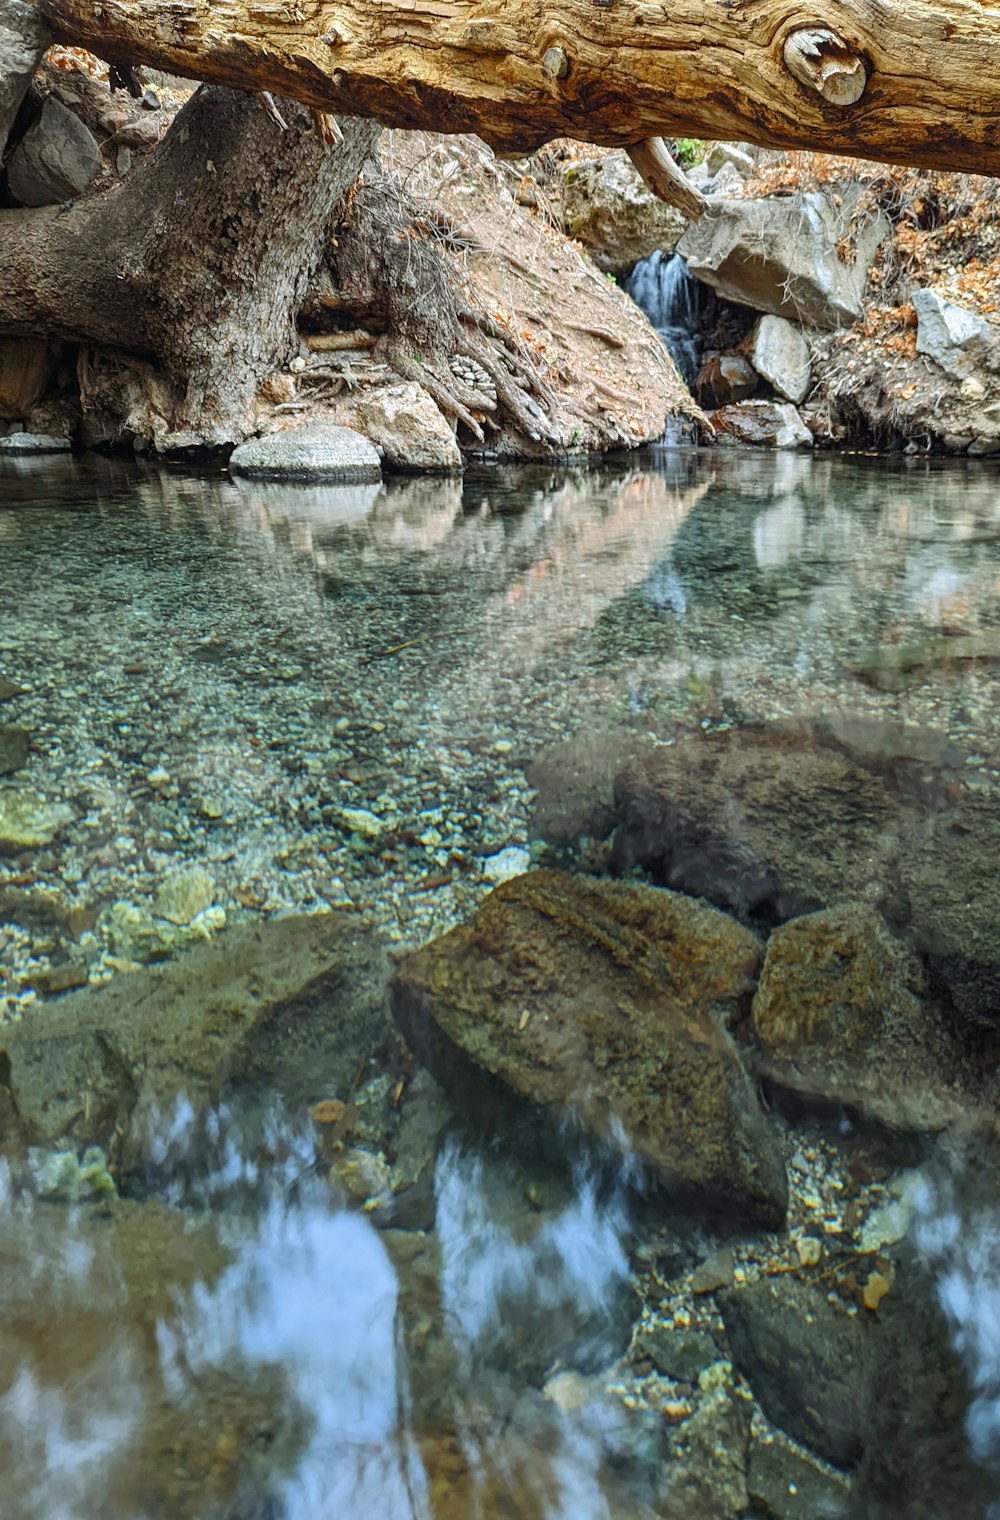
810	1365
14	743
787	1482
780	355
715	1272
363	822
57	159
309	451
709	1456
605	998
574	783
34	443
28	821
724	379
24	37
765	424
608	209
25	366
841	1012
408	426
185	894
780	255
960	341
61	1177
721	153
679	1354
506	864
292	1006
50	981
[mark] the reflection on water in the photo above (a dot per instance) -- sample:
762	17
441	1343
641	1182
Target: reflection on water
282	1316
329	696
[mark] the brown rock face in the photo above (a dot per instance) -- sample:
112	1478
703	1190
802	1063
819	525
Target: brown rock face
840	1012
607	998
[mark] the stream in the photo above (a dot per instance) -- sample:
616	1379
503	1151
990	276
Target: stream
372	1294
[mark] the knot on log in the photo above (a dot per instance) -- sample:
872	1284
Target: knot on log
555	63
824	62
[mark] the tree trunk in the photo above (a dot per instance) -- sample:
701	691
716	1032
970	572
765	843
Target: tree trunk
198	261
908	81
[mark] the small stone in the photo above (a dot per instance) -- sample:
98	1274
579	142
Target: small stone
809	1251
27	820
568	1391
365	1176
49	981
680	1354
123	161
158	778
13	749
875	1289
328	1111
184	895
150	100
56	159
716	1271
362	821
9	689
508	863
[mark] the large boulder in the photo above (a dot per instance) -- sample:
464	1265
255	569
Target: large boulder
407	425
841	1012
56	160
785	255
291	1005
607	208
24	36
607	999
309	451
765	424
959	340
780	355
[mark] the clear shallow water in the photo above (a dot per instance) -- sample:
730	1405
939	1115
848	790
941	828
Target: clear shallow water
217	675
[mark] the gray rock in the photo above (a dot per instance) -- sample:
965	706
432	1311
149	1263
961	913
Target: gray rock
608	209
960	341
788	1483
56	160
185	894
779	255
293	1005
725	379
34	443
721	153
708	1459
809	1363
408	426
763	424
679	1354
27	821
13	749
310	451
24	36
780	355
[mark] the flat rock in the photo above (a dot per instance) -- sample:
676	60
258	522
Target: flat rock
291	1006
28	821
14	744
780	255
34	443
313	450
408	426
780	355
960	341
787	1482
607	208
24	37
842	1012
56	160
763	424
607	999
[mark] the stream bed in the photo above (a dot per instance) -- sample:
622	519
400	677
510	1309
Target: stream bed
295	1267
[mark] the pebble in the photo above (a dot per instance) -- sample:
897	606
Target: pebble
508	863
809	1251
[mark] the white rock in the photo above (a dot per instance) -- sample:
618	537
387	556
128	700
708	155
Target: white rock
311	451
408	426
34	443
780	355
506	864
958	340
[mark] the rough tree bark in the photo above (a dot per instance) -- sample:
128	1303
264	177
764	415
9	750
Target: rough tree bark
198	261
907	81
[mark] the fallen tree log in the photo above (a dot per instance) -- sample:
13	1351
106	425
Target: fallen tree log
905	81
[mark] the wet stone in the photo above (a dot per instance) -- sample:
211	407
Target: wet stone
14	744
27	820
608	1000
786	1482
679	1354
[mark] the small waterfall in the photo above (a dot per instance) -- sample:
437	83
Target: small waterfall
673	300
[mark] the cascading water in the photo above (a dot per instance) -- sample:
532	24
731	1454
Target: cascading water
673	300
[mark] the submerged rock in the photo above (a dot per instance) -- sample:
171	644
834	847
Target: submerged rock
290	1005
14	744
607	999
787	1482
28	821
841	1012
766	424
313	450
